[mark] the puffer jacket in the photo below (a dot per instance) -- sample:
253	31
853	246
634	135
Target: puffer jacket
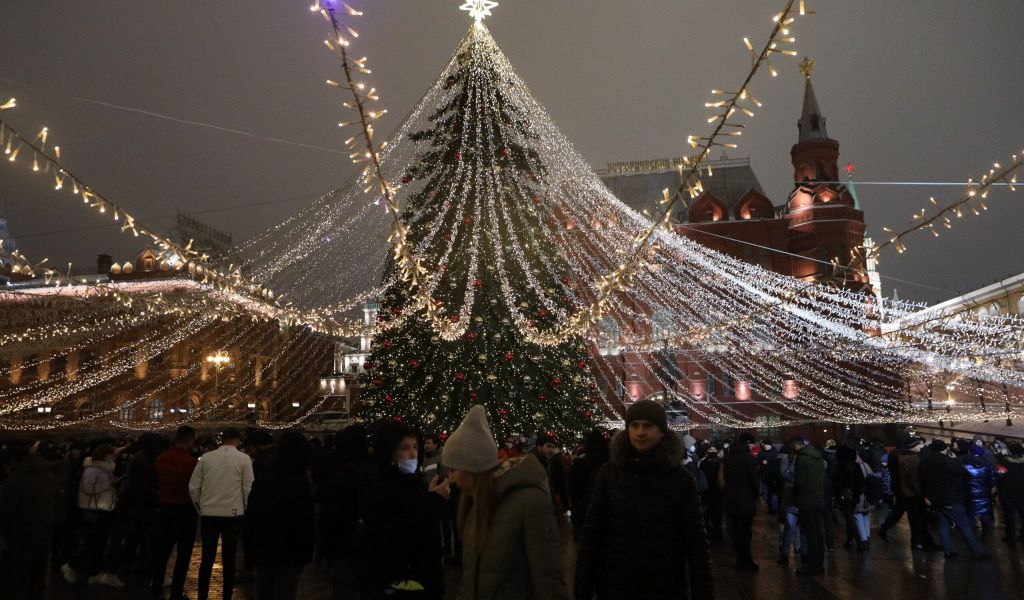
979	482
739	476
522	555
809	479
644	538
96	491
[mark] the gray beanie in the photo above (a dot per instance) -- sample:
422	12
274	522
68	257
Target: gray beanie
471	446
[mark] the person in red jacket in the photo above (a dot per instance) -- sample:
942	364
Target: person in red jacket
177	513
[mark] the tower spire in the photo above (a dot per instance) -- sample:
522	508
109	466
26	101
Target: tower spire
812	122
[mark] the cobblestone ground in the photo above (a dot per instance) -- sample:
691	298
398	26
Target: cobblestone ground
885	571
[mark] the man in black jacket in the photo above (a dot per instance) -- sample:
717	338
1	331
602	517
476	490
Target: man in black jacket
27	506
942	480
644	534
1011	490
740	484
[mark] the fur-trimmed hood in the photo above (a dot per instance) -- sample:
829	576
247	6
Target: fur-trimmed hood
669	452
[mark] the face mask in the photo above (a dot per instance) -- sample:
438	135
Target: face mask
767	446
408	466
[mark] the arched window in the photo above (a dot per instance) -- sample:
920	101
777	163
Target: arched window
661	326
609	336
126	412
156	410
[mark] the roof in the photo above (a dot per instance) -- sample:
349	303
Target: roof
639	184
812	122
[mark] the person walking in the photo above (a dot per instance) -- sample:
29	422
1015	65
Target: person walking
177	514
219	487
403	518
1010	483
712	498
28	503
97	499
869	494
281	520
942	480
784	466
511	545
583	475
980	480
809	479
740	486
644	535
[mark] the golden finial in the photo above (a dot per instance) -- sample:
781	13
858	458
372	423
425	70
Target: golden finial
807	67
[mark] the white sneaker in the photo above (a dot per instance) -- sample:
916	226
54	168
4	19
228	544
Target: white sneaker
69	574
109	579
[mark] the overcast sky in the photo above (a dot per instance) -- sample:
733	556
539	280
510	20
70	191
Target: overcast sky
914	90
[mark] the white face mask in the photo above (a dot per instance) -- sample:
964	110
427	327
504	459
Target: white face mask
408	466
768	447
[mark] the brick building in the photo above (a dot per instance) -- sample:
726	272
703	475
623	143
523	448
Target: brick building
812	235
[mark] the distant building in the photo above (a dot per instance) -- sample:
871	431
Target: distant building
812	235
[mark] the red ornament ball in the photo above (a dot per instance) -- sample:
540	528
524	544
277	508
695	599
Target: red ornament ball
458	155
556	381
367	366
467	220
473	395
454	318
397	418
414	363
389	398
531	323
479	283
582	364
565	279
509	356
471	336
378	382
388	343
397	312
542	313
503	412
588	413
406	179
541	398
506	152
460	376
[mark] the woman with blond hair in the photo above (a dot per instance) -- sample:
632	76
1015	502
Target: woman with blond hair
511	544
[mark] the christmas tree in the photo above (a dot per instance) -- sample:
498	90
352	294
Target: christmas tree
474	201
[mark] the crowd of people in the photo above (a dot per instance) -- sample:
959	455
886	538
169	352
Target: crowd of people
386	510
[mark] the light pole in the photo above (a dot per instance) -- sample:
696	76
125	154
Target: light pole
218	360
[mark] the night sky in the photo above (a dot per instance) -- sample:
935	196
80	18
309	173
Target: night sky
914	90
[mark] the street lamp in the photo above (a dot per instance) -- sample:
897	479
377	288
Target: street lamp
219	360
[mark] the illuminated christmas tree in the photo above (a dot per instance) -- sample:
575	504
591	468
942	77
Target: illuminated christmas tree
474	204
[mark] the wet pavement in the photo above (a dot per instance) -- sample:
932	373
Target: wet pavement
885	571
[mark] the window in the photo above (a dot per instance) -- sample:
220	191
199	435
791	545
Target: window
126	412
711	384
752	212
709	215
608	340
156	410
661	325
769	427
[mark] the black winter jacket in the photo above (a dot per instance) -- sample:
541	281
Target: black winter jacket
942	479
644	538
28	501
1011	478
281	521
403	531
741	482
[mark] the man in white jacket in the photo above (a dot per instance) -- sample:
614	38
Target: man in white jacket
220	487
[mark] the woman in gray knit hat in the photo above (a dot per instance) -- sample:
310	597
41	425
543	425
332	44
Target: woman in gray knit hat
511	546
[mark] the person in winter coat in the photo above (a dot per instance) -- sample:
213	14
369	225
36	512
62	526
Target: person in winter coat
220	486
97	498
583	475
942	479
771	485
139	502
810	498
1011	491
403	518
511	546
712	498
177	523
739	480
848	485
281	521
644	536
785	468
27	509
980	480
862	509
342	498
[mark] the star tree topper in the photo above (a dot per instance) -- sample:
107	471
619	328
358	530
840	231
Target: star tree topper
478	9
